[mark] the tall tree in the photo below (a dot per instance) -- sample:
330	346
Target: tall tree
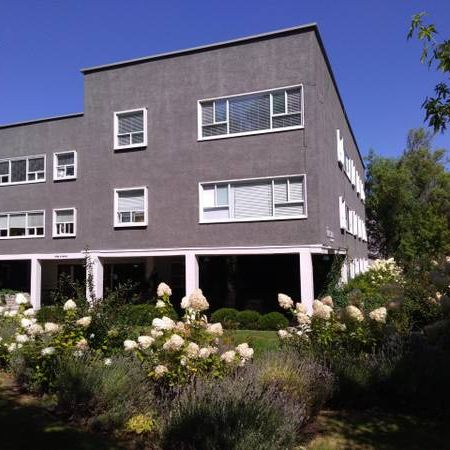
434	53
408	202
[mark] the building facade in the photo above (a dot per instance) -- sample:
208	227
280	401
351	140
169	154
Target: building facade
186	163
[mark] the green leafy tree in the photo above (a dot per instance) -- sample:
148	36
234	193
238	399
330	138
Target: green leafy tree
408	202
434	53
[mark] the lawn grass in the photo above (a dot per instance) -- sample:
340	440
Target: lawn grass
377	430
261	341
26	423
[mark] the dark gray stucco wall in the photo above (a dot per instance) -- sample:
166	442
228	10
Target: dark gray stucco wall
174	162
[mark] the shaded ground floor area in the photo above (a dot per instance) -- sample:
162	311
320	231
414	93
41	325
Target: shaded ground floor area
241	279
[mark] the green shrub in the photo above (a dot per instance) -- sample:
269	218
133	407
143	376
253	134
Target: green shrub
227	316
248	319
50	314
141	315
273	321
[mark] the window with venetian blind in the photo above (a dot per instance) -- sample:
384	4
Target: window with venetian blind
255	199
259	112
130	129
64	222
65	165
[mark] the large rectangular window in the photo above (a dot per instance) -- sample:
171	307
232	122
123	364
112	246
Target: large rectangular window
28	224
130	207
253	113
255	199
27	169
130	129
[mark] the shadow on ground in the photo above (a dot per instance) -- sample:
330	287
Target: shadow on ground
367	430
26	424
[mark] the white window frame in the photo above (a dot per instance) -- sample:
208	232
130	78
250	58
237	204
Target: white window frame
249	133
56	165
117	146
27	158
202	220
55	227
116	222
27	236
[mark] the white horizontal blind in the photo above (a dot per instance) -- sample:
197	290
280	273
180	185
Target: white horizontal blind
252	199
280	191
296	189
36	220
131	201
17	220
3	222
216	213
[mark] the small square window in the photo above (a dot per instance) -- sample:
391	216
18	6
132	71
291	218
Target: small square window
65	165
64	222
130	128
130	207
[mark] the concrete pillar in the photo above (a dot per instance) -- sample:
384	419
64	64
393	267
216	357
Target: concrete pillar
192	273
36	283
306	280
94	278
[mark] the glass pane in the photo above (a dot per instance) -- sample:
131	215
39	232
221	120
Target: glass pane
208	197
70	171
66	215
222	195
66	158
132	200
35	165
214	130
36	220
207	113
4	168
221	110
137	138
17	231
131	122
294	100
60	172
279	102
18	170
124	140
138	217
125	217
292	120
250	113
280	191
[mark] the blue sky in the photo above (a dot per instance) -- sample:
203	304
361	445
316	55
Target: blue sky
44	43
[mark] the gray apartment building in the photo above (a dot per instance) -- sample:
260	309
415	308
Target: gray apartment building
231	167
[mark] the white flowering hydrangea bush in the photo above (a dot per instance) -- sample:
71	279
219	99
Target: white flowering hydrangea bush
331	329
383	282
175	352
31	348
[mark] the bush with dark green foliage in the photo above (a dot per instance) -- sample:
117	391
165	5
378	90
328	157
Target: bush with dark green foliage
273	321
141	315
228	317
50	314
248	319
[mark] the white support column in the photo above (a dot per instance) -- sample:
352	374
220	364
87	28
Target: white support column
95	270
35	283
306	279
192	274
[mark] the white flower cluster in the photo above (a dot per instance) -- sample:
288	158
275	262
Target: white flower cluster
379	315
354	313
163	289
70	305
196	301
321	310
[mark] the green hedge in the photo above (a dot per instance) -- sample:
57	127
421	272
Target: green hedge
249	320
50	314
142	314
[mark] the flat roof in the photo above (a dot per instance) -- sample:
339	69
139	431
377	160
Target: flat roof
201	48
44	119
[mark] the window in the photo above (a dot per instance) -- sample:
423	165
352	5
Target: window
29	169
130	129
258	112
64	222
254	199
130	207
22	224
65	165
